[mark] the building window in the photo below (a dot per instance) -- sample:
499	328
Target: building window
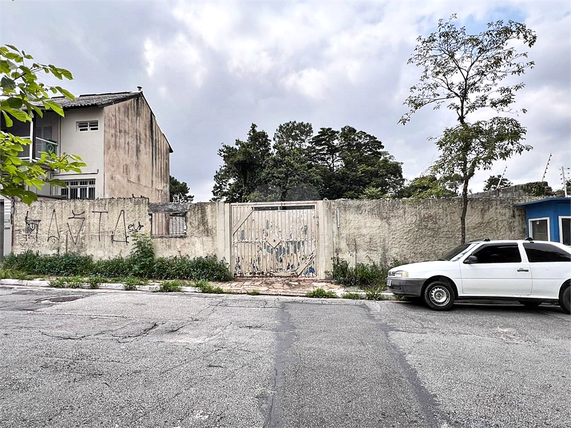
565	230
539	229
79	189
88	125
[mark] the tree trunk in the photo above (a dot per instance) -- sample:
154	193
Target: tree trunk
463	213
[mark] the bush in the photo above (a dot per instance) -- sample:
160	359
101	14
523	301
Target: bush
142	258
111	268
140	263
68	264
364	276
207	268
321	293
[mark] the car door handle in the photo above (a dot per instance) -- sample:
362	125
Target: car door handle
523	270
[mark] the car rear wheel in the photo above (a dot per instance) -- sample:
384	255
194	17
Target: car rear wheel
565	300
439	296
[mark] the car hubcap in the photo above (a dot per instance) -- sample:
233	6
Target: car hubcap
439	296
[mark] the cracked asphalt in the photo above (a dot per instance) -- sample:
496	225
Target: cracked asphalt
72	358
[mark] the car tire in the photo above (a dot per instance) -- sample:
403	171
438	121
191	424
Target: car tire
439	296
531	303
565	299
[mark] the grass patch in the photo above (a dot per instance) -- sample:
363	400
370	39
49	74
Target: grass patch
14	274
253	292
95	281
354	296
321	293
205	287
171	286
73	282
374	294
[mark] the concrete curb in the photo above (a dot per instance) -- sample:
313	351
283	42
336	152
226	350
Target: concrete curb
251	290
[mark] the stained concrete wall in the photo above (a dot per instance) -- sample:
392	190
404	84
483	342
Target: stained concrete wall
208	231
382	231
378	231
102	228
136	152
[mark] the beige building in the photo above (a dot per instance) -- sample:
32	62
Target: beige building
116	135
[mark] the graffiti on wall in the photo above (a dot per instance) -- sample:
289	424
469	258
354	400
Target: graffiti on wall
74	227
32	227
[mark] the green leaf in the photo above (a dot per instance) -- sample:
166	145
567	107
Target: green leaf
65	93
7	83
9	121
52	105
18	114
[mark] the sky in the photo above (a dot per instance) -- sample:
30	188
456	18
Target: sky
209	69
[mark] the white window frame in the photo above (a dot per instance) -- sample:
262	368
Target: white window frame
66	191
530	228
561	217
87	125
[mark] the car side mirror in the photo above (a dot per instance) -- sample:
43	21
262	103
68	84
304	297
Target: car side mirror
470	260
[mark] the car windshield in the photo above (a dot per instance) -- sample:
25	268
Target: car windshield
456	252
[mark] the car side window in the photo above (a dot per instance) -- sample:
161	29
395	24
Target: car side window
498	253
542	253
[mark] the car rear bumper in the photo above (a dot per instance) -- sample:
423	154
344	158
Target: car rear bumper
411	287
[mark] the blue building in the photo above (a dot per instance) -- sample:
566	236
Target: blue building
549	219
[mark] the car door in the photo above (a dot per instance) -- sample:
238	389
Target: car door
550	267
498	269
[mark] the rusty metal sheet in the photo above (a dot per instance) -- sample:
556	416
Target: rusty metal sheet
274	240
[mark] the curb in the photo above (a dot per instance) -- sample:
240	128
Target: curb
189	289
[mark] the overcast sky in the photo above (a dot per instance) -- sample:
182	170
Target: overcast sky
210	69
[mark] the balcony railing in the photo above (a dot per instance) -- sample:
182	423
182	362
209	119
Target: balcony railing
39	146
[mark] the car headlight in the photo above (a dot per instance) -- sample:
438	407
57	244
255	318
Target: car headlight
399	274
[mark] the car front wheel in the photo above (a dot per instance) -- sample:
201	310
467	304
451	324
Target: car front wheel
565	300
439	296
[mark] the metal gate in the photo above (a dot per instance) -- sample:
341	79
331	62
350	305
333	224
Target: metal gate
274	239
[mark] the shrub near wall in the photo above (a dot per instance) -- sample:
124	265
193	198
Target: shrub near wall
200	268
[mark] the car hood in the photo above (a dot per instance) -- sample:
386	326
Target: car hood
422	267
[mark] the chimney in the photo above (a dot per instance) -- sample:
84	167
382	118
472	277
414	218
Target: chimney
140	88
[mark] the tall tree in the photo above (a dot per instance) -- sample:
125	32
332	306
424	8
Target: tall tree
241	177
290	173
465	72
179	191
427	187
366	165
24	96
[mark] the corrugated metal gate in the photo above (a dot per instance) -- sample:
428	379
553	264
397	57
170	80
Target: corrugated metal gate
274	239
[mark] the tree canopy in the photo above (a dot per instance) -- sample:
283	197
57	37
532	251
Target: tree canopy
24	96
179	191
465	72
299	165
496	182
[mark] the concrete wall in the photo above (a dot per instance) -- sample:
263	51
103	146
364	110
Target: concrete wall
136	152
378	231
208	231
382	231
102	228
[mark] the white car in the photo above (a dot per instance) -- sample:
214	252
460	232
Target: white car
528	271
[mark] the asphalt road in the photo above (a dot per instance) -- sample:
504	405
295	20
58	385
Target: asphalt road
73	358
